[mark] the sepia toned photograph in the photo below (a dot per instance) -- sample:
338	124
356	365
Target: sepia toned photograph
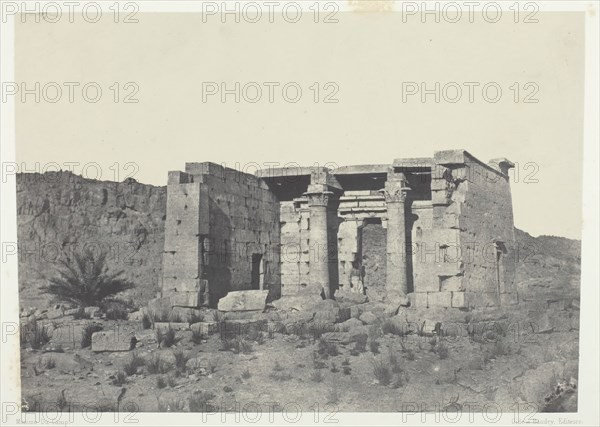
299	212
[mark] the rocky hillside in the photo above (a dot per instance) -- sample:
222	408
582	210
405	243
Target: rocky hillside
59	213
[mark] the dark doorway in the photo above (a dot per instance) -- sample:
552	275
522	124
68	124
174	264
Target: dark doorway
372	252
256	281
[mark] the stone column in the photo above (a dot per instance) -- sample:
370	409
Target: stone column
319	245
395	196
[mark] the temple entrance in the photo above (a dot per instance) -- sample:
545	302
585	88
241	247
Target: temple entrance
258	274
372	255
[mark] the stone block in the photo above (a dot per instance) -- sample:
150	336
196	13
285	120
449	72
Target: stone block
479	300
205	328
368	318
92	311
185	299
244	300
113	340
418	299
439	299
350	297
458	300
452	283
509	298
178	326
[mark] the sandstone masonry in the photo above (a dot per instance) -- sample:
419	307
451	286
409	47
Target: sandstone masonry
437	231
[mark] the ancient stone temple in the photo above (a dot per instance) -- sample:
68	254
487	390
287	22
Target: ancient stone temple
437	231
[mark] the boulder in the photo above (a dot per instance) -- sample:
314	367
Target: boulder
178	326
244	300
112	340
329	311
136	316
350	297
368	318
349	324
92	311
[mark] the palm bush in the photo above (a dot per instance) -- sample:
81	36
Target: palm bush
85	280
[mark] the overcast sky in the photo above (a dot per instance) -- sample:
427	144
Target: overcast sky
369	61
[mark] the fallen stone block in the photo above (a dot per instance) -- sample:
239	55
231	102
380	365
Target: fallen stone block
92	311
329	311
205	328
349	324
336	337
350	297
72	311
244	301
114	340
178	326
368	318
297	302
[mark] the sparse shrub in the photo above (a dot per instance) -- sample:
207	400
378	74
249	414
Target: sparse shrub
37	334
244	346
166	337
246	374
58	348
120	378
47	363
442	350
171	381
278	374
199	401
260	339
394	362
346	362
498	349
170	405
146	321
334	368
196	316
175	317
360	345
160	382
327	348
115	310
132	365
410	354
374	347
197	336
317	362
212	366
433	343
81	314
391	327
85	281
333	395
316	376
181	359
382	372
61	401
86	335
346	370
156	365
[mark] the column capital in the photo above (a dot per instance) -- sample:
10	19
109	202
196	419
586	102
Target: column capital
319	198
395	191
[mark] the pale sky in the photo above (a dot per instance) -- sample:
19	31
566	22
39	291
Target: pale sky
368	57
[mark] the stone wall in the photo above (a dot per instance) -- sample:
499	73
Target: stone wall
472	222
221	224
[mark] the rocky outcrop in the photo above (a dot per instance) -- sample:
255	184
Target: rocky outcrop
59	213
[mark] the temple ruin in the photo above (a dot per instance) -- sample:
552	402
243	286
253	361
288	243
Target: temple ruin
437	231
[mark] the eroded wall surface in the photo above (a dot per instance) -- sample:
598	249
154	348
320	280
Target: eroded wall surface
221	224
